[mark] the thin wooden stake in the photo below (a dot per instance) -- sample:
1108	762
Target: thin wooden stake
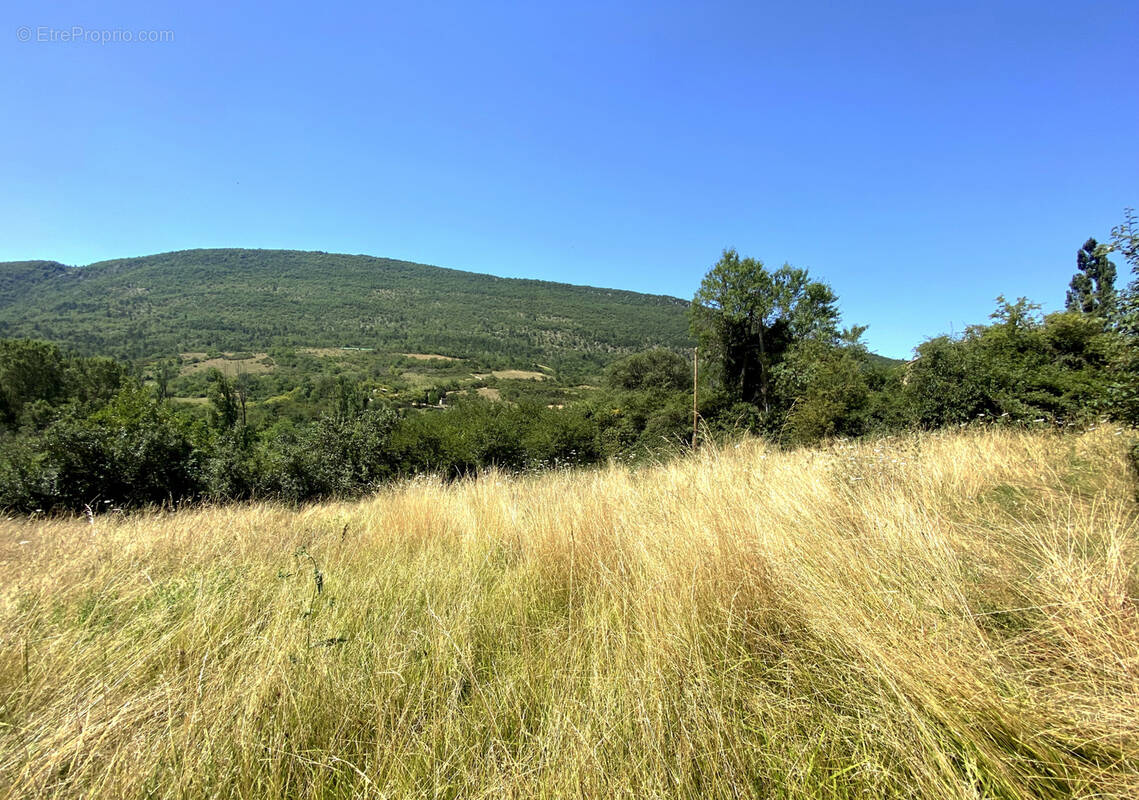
695	412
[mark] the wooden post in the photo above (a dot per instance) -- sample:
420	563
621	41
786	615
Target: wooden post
695	412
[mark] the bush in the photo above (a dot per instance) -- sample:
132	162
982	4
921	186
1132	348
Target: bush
1019	368
659	370
230	470
825	390
133	451
339	456
23	484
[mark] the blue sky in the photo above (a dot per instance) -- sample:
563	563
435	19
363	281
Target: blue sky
921	158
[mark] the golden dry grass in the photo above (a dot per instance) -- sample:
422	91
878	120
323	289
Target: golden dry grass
230	367
932	616
520	375
429	357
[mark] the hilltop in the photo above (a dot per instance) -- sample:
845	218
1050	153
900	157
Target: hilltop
257	300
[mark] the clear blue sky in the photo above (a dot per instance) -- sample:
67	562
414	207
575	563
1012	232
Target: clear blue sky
922	158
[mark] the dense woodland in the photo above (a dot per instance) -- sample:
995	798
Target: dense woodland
262	300
118	384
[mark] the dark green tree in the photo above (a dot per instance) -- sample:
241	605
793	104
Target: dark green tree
656	370
165	371
825	388
228	401
748	318
30	372
133	451
1092	290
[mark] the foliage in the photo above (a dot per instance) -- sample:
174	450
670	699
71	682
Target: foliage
1021	367
36	378
130	452
340	455
826	389
29	372
1125	239
335	423
1092	290
747	319
653	370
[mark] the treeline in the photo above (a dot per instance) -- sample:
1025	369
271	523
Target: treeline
80	433
782	366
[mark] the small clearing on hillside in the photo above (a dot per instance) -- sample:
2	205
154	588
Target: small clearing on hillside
519	375
256	364
429	357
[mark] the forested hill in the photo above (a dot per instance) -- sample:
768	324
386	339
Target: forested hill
241	300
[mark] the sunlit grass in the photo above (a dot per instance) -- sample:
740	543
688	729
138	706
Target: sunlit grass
931	616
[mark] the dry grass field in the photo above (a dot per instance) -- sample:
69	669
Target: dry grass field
256	364
936	616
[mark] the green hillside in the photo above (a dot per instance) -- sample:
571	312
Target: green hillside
18	278
257	300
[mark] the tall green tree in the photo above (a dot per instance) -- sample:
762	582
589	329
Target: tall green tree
30	371
748	318
1125	389
1092	290
165	371
1125	239
228	401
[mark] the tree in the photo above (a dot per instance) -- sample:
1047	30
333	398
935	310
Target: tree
337	456
165	371
228	401
1092	290
826	389
749	318
1021	367
132	451
1125	239
1125	364
656	370
30	371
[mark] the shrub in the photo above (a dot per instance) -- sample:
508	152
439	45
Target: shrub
658	369
133	451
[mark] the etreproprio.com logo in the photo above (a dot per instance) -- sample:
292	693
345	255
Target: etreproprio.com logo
79	34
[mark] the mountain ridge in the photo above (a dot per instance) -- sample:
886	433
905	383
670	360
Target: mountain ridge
241	299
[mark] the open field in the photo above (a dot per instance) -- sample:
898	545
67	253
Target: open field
519	375
429	357
945	615
255	364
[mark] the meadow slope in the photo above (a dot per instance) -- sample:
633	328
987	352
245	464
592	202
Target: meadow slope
943	615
